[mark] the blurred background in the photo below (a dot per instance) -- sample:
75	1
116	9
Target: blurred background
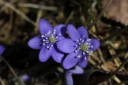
19	23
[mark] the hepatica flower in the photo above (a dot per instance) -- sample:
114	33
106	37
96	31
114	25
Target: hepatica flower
25	77
79	47
68	74
47	41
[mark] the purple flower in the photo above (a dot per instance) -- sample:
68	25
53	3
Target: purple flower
68	74
25	77
79	47
47	41
2	48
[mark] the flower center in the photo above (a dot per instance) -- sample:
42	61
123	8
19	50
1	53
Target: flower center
52	39
84	47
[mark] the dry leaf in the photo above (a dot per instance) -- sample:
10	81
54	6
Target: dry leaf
117	10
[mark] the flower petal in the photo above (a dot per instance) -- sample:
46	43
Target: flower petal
44	26
72	32
95	43
45	54
25	77
35	43
83	62
57	55
68	78
83	32
77	70
66	45
70	60
60	29
2	48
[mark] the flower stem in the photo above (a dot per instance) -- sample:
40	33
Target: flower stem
12	70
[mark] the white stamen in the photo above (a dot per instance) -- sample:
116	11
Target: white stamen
77	40
86	43
48	32
56	37
88	40
78	56
87	51
83	53
44	40
42	36
51	45
82	41
47	47
91	47
75	51
85	58
79	43
75	45
43	44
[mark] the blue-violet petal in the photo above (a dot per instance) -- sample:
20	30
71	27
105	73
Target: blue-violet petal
70	60
45	54
95	43
83	62
68	80
35	43
83	32
66	45
72	32
44	26
57	55
77	70
60	29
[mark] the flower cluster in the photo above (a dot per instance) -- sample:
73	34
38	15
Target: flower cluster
52	42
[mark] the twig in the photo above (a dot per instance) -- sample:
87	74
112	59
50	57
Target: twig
17	11
126	60
12	70
4	7
69	18
115	34
39	14
104	9
2	83
30	5
83	20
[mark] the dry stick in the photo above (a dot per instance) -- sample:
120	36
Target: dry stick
118	32
104	9
4	7
12	70
2	83
126	60
17	11
69	18
29	5
99	64
39	14
81	13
